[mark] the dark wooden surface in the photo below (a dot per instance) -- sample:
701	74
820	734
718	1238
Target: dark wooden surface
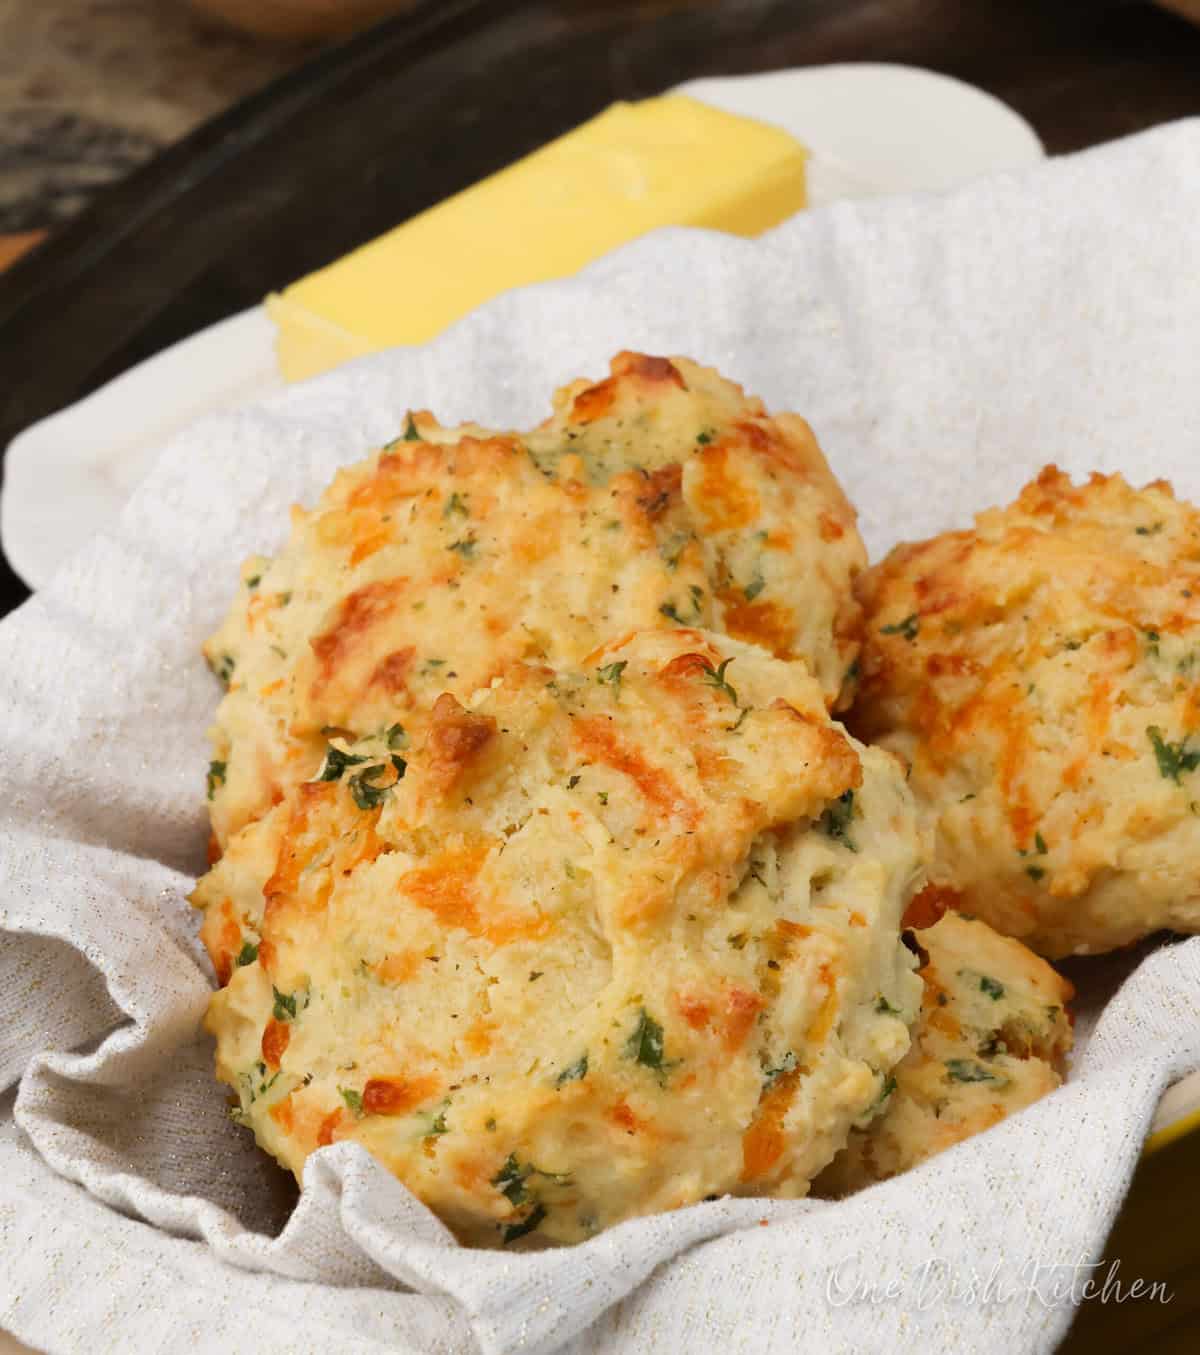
373	131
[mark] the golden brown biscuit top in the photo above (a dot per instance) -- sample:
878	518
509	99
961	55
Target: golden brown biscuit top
603	940
1041	674
661	496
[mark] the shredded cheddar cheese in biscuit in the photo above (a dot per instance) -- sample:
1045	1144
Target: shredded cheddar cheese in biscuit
1040	674
659	496
992	1038
599	941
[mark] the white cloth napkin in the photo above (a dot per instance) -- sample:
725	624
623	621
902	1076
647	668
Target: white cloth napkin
944	348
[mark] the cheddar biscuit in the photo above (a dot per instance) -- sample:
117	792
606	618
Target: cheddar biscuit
660	496
1040	674
992	1037
605	940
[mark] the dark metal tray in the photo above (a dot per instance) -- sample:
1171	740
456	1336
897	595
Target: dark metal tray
398	118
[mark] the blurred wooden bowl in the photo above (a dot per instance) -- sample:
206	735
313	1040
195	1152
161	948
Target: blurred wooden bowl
295	20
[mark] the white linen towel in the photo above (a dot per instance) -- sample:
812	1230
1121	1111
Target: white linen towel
944	348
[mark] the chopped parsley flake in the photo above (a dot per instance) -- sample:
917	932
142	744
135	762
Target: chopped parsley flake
753	588
223	668
835	821
967	1070
362	786
527	1224
249	1090
909	628
645	1045
397	738
511	1183
247	955
456	504
704	438
1035	872
216	776
1040	843
575	1072
465	547
285	1005
889	1086
1173	758
336	762
410	431
352	1099
611	672
573	781
672	613
715	677
1152	530
992	987
253	581
510	1180
884	1007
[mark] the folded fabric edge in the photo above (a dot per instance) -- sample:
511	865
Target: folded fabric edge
162	1301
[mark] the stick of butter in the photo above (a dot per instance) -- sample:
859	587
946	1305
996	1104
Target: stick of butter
670	161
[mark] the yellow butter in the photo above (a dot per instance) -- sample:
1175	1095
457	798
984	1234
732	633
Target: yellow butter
670	161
